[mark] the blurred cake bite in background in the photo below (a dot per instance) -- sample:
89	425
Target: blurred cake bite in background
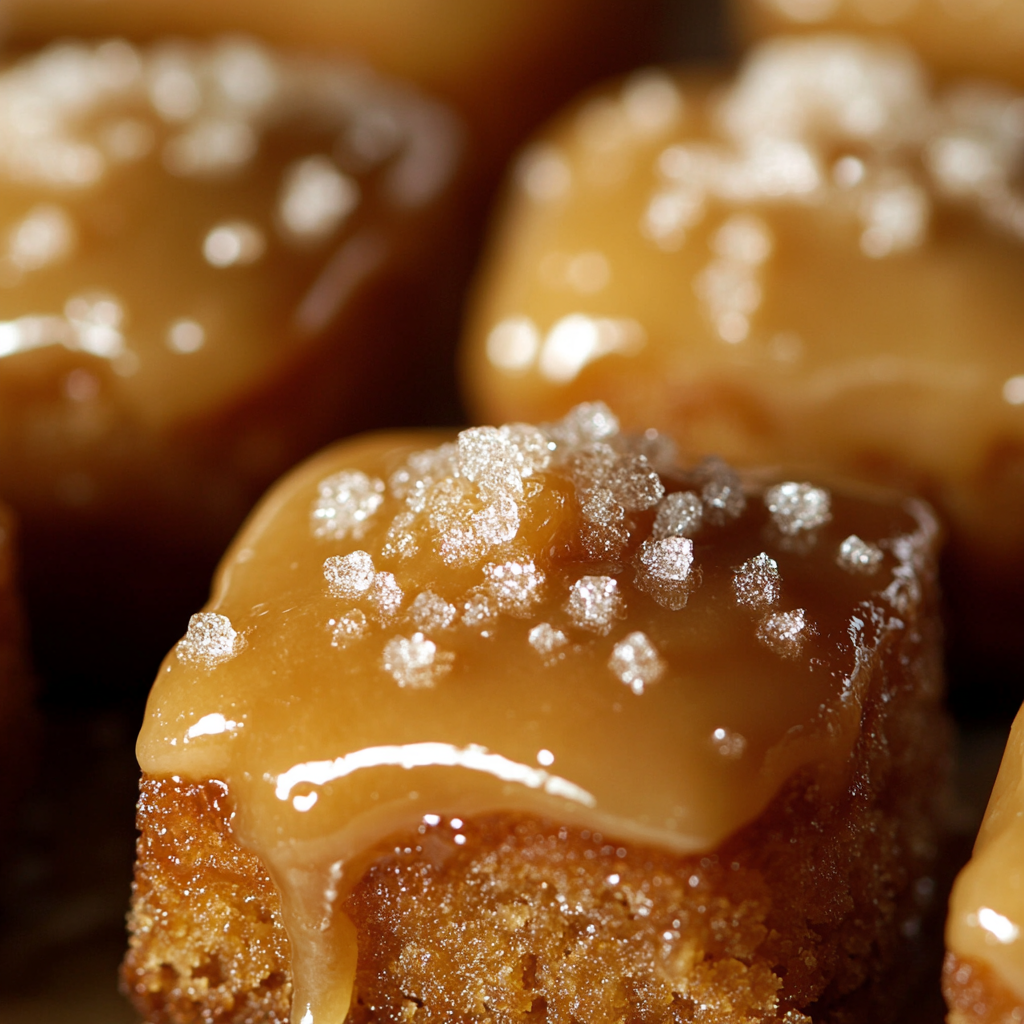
504	64
817	262
215	258
955	37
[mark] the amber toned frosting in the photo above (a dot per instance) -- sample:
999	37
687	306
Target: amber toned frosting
986	911
816	262
555	620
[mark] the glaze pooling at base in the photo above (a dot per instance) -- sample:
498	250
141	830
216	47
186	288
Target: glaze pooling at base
530	619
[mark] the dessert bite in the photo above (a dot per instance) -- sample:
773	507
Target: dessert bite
534	721
505	64
816	262
213	256
955	37
983	977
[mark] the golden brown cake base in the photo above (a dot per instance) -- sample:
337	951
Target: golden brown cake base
975	995
809	912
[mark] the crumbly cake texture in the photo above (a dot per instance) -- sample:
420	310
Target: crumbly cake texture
975	995
809	913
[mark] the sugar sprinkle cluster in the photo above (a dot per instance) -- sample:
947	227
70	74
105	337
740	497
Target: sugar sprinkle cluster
639	523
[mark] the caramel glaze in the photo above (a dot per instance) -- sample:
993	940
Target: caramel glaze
505	64
816	262
204	250
985	929
556	621
956	37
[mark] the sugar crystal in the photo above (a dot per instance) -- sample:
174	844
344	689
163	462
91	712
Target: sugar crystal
543	173
585	424
400	541
349	576
757	583
904	592
415	663
46	235
659	449
636	662
608	485
744	238
895	218
546	640
432	613
856	555
595	603
796	507
636	484
210	640
479	610
185	336
488	459
669	559
679	515
531	447
664	570
464	531
421	469
386	596
652	101
350	626
784	632
315	198
722	492
515	586
603	529
346	502
235	243
729	744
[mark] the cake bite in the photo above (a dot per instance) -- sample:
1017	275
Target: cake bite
955	37
983	978
536	721
211	259
816	262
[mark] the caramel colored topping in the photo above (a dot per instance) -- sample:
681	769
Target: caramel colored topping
814	263
257	180
964	37
414	625
986	912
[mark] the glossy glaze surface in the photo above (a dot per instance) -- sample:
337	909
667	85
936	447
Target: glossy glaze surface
986	913
559	621
960	37
815	262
